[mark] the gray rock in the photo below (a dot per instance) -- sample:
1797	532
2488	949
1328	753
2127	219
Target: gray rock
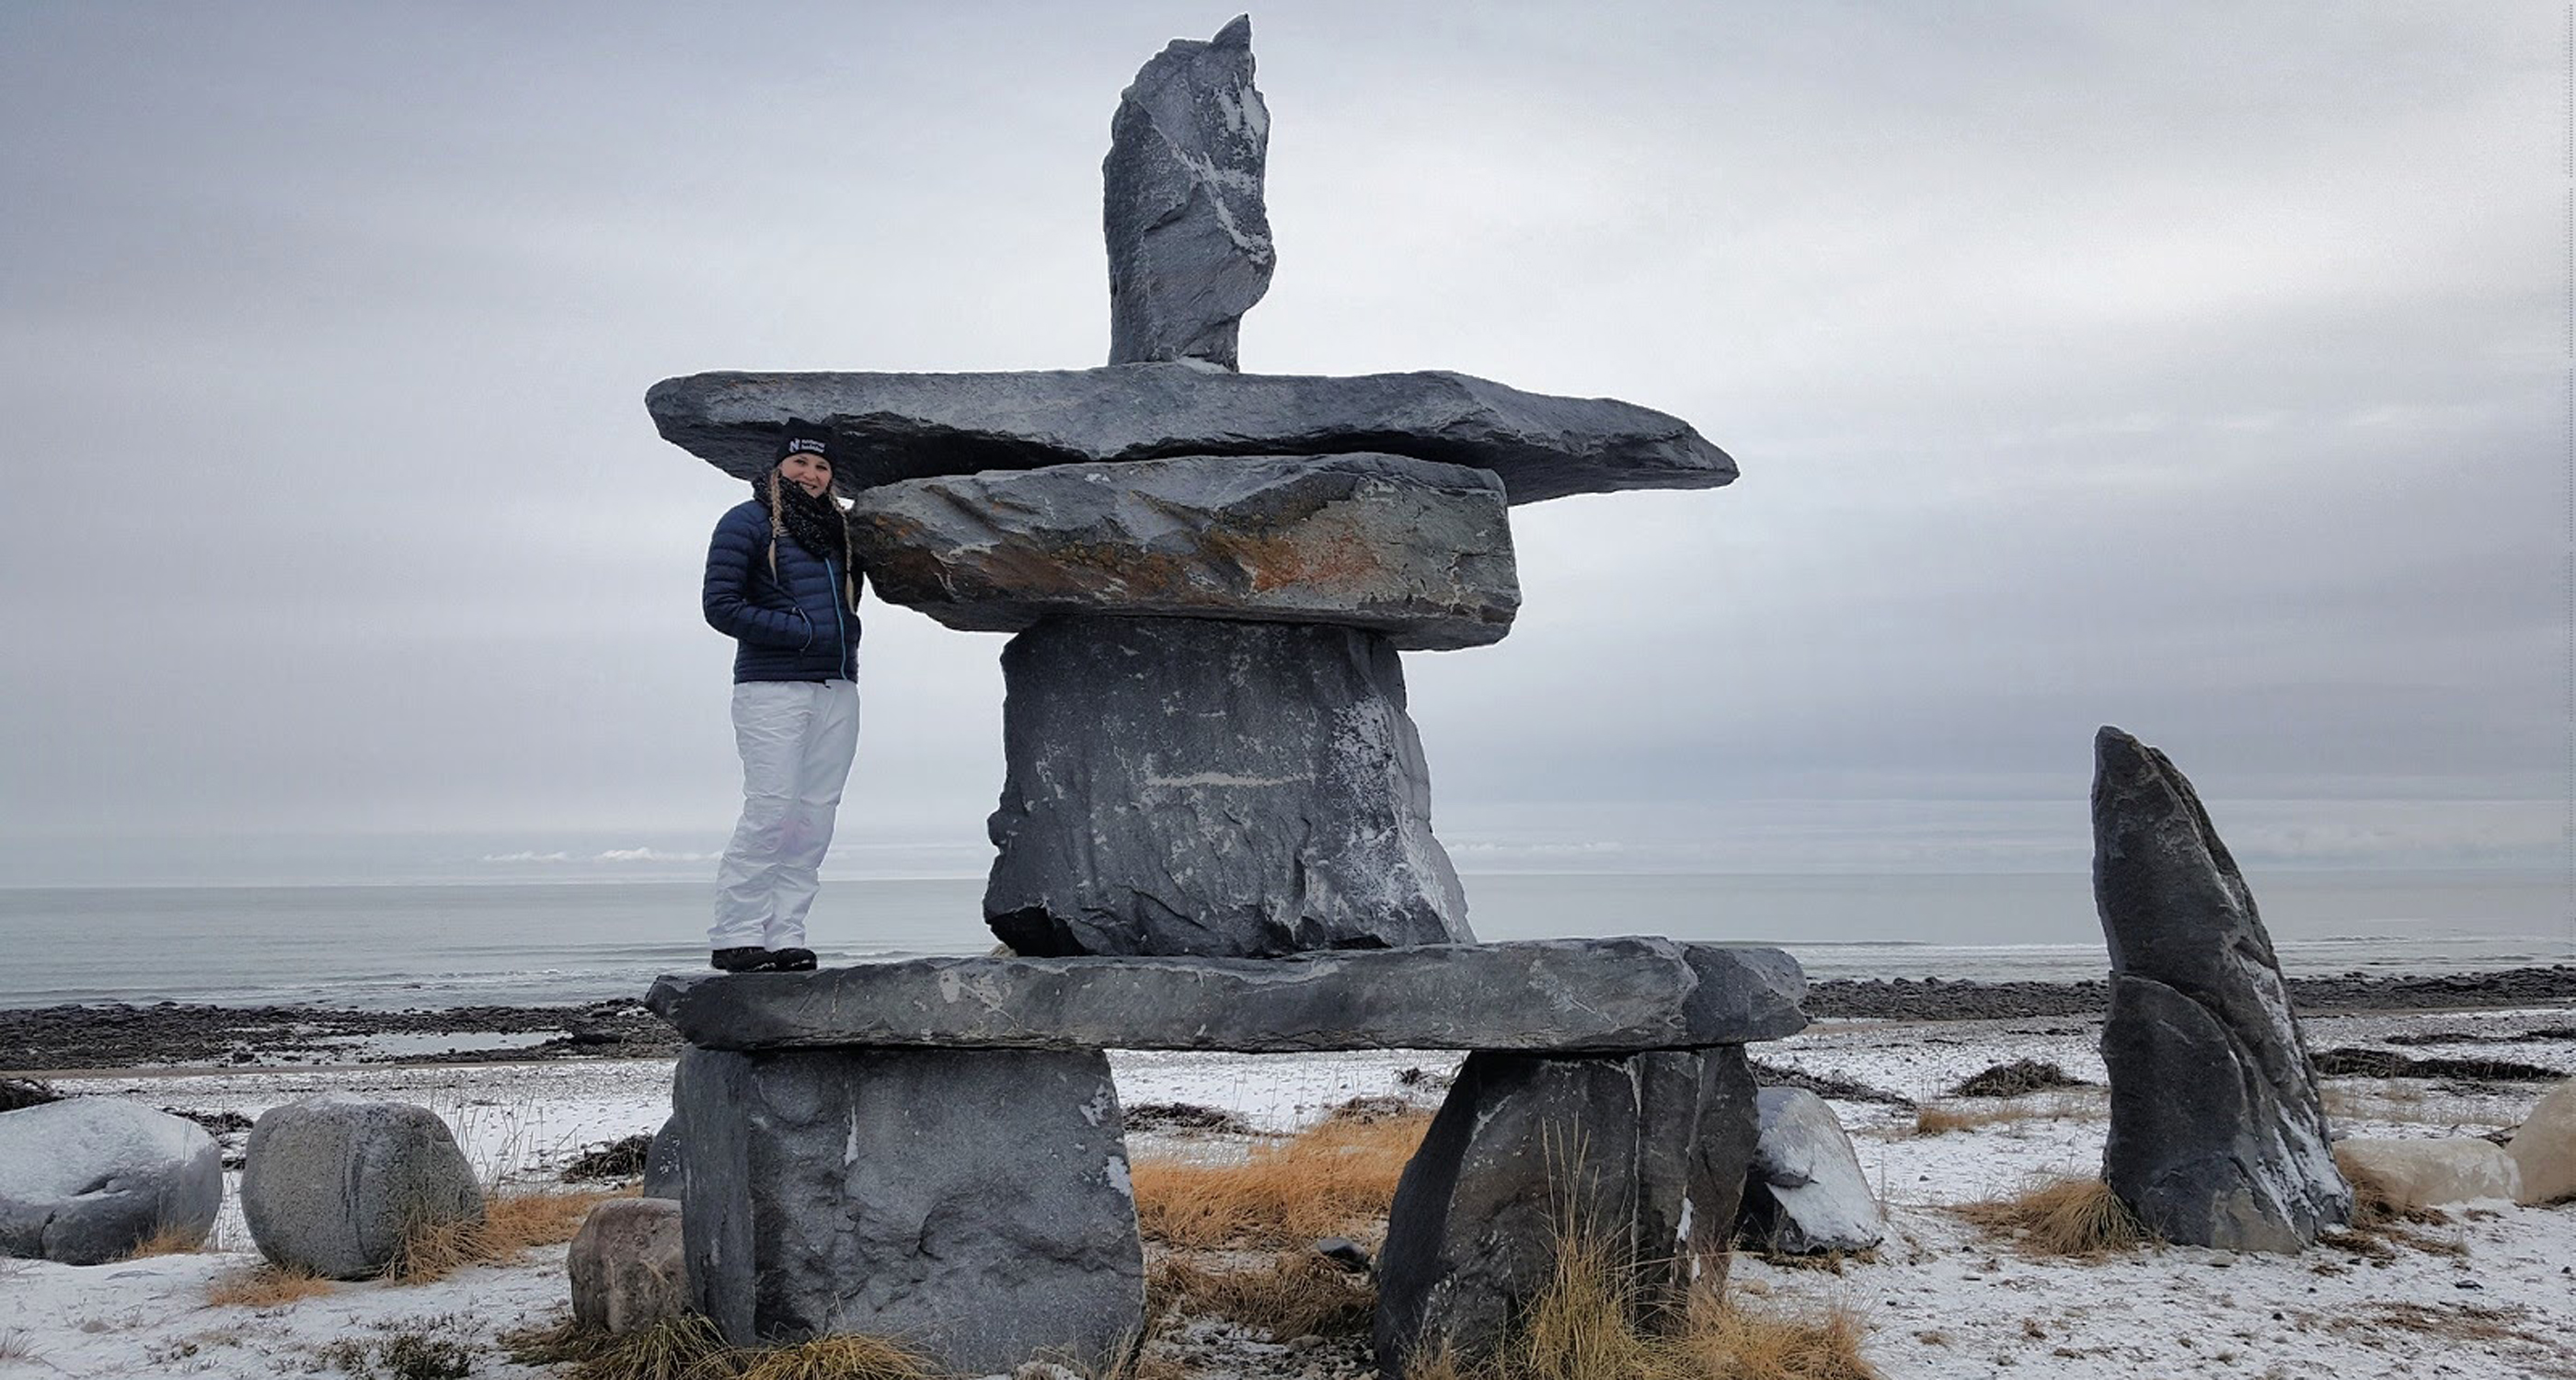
85	1180
2217	1137
1189	786
972	1202
333	1183
1643	1156
627	1268
666	1164
1189	239
1419	551
1807	1193
888	427
1565	995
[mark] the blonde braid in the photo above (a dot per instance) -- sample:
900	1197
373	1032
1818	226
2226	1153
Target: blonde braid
777	523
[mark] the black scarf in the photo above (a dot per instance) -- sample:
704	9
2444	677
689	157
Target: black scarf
814	521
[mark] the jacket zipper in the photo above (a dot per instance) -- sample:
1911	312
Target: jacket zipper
840	629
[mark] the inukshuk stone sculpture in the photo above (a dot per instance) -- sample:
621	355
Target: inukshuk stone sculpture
1209	573
1211	786
2217	1135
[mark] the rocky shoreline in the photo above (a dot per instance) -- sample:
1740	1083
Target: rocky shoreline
170	1034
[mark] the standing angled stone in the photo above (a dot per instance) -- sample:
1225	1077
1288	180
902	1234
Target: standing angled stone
1642	1157
2217	1135
1194	786
1189	238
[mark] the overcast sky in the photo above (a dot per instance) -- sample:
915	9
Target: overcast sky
2198	371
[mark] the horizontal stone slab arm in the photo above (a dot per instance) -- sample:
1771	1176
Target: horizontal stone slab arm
1558	995
912	426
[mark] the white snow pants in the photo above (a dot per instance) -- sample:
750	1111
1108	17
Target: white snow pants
797	738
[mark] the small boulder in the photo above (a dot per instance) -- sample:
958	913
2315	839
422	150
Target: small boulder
85	1180
333	1184
666	1164
628	1268
1807	1194
2432	1173
2545	1148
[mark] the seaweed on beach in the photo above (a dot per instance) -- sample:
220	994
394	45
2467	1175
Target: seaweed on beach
18	1093
1185	1116
2380	1063
611	1160
2544	1035
1825	1085
2016	1078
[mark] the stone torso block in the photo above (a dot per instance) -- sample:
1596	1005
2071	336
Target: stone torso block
1188	786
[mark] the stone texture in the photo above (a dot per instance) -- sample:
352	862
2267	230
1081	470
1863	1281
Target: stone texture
628	1271
1807	1193
972	1202
1189	786
666	1164
2544	1147
888	427
1562	995
1643	1154
85	1179
1189	239
1419	551
332	1183
2432	1173
2217	1137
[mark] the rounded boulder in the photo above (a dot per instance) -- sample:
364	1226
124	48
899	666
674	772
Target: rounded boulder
628	1270
87	1179
335	1184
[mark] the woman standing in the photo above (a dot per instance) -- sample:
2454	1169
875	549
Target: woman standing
779	583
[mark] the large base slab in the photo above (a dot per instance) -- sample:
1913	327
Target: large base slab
1194	786
1642	1156
1552	995
973	1204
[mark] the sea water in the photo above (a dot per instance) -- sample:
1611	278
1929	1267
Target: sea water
463	944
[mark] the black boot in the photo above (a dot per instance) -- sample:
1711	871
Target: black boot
745	959
791	960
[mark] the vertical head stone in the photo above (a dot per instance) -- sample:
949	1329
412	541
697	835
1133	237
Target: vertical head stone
1189	240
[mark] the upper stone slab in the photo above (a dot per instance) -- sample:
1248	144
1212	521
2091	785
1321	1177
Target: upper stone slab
1189	239
1419	551
888	427
1567	995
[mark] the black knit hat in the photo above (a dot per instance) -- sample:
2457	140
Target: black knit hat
804	438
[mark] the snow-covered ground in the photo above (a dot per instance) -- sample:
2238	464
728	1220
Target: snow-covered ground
2493	1293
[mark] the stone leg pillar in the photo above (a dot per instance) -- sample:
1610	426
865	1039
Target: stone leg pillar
973	1204
1226	789
1645	1154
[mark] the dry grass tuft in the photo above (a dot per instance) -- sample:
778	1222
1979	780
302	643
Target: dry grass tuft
1932	1119
14	1346
512	1223
682	1348
847	1357
1335	1179
264	1286
1294	1294
690	1348
2081	1218
2374	1207
169	1240
1579	1328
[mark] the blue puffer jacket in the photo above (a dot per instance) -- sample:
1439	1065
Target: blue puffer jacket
791	627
